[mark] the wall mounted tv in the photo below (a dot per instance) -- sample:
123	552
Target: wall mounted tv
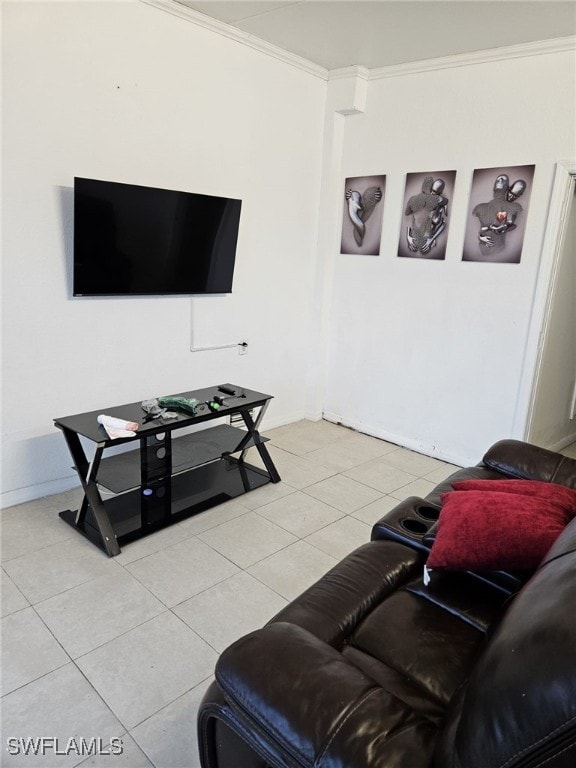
131	240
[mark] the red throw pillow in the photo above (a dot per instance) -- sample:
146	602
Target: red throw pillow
559	494
493	530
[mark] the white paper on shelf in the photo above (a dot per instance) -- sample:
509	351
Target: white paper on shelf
114	433
117	427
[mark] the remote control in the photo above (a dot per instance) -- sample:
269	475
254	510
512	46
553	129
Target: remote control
228	389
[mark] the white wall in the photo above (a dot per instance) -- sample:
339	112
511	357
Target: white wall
125	92
430	354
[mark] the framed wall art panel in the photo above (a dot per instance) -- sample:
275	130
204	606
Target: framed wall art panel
426	214
363	201
497	214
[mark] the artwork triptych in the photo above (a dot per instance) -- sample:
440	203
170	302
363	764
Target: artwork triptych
495	225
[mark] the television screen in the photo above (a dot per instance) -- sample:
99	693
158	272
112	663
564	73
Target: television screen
134	240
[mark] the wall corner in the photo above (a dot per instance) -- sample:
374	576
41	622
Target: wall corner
348	90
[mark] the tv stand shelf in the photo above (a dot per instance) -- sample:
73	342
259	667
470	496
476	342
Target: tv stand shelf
167	479
122	472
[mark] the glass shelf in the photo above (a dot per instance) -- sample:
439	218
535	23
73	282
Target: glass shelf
121	472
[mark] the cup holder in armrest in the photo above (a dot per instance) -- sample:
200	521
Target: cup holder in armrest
414	526
408	523
428	513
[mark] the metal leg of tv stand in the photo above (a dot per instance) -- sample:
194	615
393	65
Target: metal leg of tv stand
87	473
252	427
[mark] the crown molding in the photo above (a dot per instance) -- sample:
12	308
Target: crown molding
342	73
226	30
540	47
555	45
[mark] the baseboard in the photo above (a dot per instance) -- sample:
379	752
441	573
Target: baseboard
558	446
418	446
39	491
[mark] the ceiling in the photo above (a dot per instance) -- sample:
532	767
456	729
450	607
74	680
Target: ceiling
381	33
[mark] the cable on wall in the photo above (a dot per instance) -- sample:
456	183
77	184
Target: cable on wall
241	346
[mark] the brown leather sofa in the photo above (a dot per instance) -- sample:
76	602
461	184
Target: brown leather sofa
372	668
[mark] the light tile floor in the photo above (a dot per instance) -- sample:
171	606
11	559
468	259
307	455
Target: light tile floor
124	648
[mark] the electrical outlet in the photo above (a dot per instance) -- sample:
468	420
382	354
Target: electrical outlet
243	347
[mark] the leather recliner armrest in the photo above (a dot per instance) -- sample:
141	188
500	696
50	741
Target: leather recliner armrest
314	707
530	462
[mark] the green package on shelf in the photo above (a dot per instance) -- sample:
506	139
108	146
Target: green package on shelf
179	403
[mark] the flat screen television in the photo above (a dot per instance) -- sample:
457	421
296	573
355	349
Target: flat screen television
132	240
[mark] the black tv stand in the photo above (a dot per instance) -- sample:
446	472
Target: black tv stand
167	478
